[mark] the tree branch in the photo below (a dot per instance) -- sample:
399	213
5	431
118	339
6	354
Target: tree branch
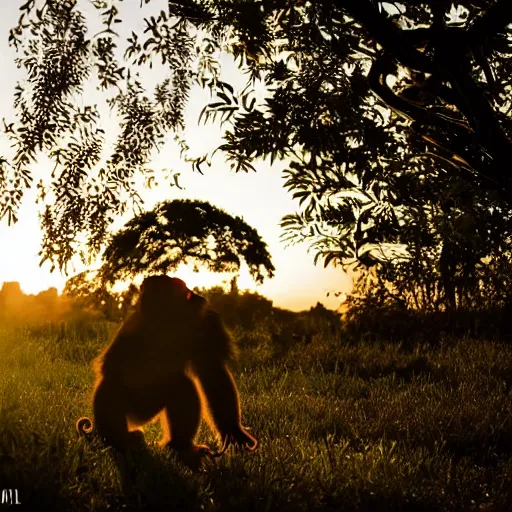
495	19
388	35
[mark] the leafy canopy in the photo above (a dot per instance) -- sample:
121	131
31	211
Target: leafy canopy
396	121
184	231
86	189
394	117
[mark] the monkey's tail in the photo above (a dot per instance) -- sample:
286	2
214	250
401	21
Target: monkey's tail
84	426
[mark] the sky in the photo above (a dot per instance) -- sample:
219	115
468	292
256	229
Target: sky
258	197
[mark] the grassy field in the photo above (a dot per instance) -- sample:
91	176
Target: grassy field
342	427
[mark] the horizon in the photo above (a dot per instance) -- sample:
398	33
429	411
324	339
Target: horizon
224	285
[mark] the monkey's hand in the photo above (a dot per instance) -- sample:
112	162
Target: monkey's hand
194	456
240	439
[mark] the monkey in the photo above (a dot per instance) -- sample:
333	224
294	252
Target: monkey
169	360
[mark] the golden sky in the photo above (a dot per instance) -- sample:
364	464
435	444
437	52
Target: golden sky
258	197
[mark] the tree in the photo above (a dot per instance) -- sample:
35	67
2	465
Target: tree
185	231
158	241
89	293
426	174
84	194
395	119
248	310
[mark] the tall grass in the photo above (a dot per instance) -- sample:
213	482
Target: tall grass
342	427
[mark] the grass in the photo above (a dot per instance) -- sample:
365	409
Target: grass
369	426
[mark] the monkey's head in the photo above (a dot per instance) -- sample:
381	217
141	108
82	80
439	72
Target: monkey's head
163	296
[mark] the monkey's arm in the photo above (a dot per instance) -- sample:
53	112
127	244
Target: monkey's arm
221	394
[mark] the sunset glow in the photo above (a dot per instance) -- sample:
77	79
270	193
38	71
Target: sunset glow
258	197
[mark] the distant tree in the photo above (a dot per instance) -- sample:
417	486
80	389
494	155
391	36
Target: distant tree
233	286
18	308
323	319
185	231
87	292
48	300
158	241
11	298
11	290
246	309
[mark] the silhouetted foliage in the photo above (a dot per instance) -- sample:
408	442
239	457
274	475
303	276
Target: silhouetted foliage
90	293
414	183
246	309
395	119
185	231
11	291
58	56
19	308
374	319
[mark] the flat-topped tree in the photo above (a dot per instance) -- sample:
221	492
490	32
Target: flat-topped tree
185	231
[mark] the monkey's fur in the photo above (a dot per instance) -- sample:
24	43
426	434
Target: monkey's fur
169	354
